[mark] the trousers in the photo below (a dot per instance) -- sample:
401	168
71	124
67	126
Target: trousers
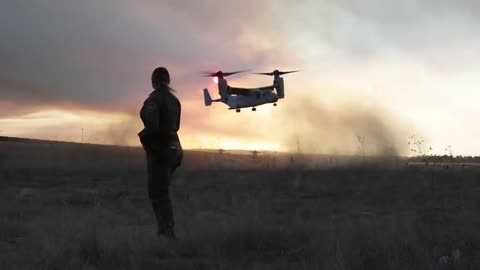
159	178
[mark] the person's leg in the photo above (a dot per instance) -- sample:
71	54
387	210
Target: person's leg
158	191
164	215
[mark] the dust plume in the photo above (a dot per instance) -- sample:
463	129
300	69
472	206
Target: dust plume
124	132
311	127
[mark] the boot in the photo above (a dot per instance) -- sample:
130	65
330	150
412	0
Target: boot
164	215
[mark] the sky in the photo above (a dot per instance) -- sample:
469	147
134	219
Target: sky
374	73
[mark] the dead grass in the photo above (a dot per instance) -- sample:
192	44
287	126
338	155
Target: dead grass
336	218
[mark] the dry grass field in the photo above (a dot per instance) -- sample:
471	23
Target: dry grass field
72	206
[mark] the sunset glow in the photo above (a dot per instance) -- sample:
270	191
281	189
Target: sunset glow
57	124
369	70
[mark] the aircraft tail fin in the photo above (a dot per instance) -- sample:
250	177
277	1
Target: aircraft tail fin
207	97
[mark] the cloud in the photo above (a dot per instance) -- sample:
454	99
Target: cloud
100	55
91	55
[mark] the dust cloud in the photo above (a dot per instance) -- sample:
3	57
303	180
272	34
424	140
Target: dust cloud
311	127
125	132
299	125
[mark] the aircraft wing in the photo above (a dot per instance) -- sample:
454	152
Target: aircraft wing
270	87
239	91
244	91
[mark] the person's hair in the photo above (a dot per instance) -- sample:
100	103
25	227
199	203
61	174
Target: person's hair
161	75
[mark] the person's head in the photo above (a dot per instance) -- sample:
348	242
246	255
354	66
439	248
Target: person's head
160	77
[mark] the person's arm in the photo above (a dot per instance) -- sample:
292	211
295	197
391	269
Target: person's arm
179	114
152	116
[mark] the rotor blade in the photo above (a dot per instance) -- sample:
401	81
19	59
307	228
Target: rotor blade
277	72
286	72
231	73
265	73
218	73
209	74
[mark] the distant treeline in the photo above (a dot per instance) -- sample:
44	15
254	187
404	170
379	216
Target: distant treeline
446	158
15	139
41	141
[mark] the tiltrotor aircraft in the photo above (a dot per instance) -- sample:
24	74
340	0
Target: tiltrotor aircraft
236	98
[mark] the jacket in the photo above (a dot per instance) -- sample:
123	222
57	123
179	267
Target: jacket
160	115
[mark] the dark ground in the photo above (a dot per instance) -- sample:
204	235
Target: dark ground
95	215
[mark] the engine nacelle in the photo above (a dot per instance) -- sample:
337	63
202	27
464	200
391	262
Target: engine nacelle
223	90
278	83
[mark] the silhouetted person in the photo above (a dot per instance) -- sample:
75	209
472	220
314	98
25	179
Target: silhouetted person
160	115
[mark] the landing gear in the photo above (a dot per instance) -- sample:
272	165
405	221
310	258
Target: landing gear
237	110
254	109
275	104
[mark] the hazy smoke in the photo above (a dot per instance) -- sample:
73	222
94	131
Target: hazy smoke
122	133
125	132
65	53
312	127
